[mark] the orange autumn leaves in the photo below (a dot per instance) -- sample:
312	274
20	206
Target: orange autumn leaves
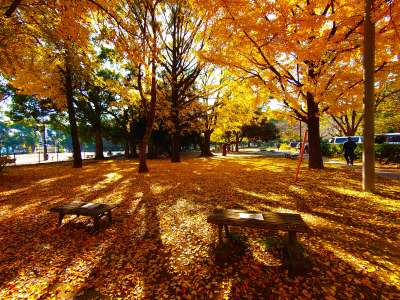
160	245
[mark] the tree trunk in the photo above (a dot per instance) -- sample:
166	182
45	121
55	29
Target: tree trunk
126	149
142	156
237	141
153	101
205	145
314	145
99	144
368	174
76	148
44	141
176	147
132	148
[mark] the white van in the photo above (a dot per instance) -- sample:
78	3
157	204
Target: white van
343	139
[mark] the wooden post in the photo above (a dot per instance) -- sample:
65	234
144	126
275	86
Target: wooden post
300	159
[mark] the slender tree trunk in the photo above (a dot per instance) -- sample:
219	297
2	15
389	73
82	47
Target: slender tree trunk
237	141
127	155
99	144
76	148
314	145
142	156
44	141
176	147
205	145
132	148
153	101
368	174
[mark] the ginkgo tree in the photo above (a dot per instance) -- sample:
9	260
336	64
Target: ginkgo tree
180	69
307	54
239	108
56	40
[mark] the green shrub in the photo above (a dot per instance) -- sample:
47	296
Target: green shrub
331	150
388	152
383	152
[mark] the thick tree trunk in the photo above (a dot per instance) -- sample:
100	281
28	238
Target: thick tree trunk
314	145
205	145
76	148
368	174
176	147
99	144
142	156
127	149
44	141
132	147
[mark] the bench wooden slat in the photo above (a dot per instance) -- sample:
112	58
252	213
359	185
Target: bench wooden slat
94	210
274	221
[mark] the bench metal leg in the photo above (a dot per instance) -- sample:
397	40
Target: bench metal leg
292	238
60	218
220	237
96	221
226	230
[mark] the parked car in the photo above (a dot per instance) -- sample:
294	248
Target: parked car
388	138
294	144
343	139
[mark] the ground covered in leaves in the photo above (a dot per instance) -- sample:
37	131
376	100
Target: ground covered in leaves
160	245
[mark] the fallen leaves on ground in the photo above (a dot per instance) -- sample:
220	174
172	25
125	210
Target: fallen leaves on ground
160	245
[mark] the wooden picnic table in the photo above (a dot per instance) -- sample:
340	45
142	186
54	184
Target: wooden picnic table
94	210
292	223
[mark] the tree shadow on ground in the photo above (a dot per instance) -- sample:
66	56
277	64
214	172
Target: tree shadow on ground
159	242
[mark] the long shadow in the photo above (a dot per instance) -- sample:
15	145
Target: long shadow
159	239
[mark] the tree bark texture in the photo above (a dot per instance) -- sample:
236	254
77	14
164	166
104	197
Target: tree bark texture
314	145
368	174
44	141
76	148
99	144
205	144
176	147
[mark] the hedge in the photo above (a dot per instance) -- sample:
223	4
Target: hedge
384	152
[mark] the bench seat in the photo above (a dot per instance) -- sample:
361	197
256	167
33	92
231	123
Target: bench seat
93	210
292	223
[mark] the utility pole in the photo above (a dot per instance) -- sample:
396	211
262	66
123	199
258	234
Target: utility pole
368	174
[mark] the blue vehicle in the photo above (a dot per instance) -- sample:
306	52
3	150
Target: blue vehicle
343	139
388	138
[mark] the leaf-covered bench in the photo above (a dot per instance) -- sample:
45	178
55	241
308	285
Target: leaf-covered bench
5	160
292	223
94	210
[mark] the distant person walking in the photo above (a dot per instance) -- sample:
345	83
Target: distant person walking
278	146
348	148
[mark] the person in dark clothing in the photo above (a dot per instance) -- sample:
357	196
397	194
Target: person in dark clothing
348	148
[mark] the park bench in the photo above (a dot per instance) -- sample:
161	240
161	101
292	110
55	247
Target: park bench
5	160
298	263
292	223
94	210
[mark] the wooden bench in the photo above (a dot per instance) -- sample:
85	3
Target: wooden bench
292	223
5	160
94	210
